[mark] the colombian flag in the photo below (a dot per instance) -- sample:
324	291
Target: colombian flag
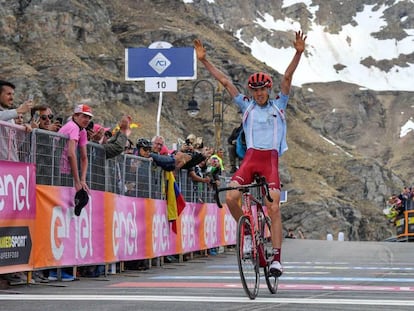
175	200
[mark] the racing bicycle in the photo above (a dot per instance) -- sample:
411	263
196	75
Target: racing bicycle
256	224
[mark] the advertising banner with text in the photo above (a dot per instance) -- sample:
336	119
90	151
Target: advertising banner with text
62	238
110	228
17	215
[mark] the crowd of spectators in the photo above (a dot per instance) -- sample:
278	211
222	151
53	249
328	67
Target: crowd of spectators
396	204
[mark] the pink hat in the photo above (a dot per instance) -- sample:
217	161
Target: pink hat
97	127
85	109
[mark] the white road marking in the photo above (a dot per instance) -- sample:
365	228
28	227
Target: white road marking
274	300
288	278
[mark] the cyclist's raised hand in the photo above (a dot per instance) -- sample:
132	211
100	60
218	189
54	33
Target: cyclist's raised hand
200	49
299	43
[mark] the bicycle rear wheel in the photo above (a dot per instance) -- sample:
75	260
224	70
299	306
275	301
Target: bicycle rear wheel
247	260
272	281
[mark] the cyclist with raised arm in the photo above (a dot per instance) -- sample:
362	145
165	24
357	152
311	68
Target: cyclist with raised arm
264	124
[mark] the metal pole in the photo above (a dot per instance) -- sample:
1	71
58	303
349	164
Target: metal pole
218	116
159	114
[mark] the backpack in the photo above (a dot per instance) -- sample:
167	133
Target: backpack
233	136
241	144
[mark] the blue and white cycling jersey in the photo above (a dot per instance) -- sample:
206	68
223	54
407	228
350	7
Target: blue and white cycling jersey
264	126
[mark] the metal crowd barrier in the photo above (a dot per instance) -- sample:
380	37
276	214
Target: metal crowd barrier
125	174
14	142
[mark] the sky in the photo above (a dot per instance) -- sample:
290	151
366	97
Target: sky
351	45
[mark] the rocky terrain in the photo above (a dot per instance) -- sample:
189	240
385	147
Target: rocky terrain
344	158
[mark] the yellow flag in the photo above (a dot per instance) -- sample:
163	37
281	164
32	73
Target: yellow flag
172	211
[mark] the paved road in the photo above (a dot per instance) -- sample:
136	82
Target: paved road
319	275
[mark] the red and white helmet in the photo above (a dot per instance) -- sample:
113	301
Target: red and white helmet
259	80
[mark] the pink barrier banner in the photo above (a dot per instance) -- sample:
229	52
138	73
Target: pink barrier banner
125	227
190	224
161	240
205	226
228	227
62	238
17	215
115	228
17	190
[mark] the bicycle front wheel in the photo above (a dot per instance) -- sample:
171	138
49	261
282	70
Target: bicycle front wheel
247	258
272	281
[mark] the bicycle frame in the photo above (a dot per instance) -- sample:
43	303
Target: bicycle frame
257	224
254	217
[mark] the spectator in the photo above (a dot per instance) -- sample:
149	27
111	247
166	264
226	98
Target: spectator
196	157
159	153
96	156
77	139
233	158
72	176
8	113
42	117
290	234
301	235
198	176
214	169
116	144
393	209
140	169
23	154
131	165
158	145
95	132
19	120
410	203
219	156
405	198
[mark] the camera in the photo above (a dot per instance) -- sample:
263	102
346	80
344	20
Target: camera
59	120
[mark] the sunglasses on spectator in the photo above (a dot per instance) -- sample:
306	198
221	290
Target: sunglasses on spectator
44	117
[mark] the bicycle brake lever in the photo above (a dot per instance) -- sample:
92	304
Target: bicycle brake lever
267	193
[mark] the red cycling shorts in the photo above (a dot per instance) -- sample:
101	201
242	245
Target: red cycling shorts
262	162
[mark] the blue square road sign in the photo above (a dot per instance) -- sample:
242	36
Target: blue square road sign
142	63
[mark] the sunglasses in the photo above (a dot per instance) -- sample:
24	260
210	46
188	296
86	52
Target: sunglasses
146	149
44	117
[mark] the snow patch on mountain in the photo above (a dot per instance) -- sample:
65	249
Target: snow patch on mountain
347	48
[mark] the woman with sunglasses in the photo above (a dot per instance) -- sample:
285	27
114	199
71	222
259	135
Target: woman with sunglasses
265	126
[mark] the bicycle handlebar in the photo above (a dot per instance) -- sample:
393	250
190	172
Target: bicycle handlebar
260	181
